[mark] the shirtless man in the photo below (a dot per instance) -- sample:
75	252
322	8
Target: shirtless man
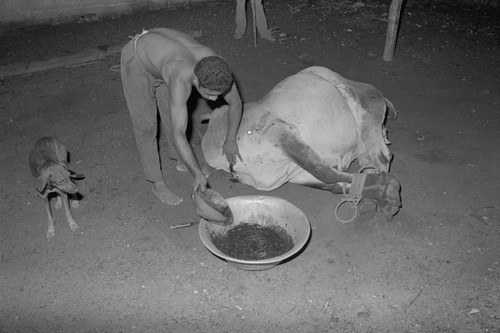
159	68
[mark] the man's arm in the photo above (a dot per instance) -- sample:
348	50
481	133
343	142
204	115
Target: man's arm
230	148
179	94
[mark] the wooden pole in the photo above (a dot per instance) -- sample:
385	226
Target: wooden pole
252	2
392	29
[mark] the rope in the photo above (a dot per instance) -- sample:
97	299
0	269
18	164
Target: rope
355	194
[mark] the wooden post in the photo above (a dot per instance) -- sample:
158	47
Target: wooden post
252	2
392	29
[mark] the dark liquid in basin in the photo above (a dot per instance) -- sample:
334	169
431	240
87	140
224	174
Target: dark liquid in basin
253	241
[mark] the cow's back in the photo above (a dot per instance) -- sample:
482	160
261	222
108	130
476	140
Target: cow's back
316	107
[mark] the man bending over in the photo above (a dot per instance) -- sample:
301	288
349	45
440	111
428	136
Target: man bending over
159	67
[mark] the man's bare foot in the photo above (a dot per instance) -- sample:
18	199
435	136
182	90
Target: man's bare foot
166	196
238	34
268	36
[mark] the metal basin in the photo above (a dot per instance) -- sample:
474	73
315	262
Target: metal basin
264	210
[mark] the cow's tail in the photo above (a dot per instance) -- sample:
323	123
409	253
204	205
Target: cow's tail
392	110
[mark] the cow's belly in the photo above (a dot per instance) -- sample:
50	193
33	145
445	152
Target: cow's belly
265	172
265	166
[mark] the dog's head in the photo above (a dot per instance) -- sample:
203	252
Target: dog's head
57	176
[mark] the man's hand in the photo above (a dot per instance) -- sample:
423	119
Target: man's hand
200	181
230	149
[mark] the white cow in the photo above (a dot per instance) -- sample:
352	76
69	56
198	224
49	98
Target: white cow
308	130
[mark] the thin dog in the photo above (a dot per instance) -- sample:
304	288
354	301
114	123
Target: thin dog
48	161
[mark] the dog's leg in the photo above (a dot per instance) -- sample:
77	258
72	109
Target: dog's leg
73	201
51	229
72	224
58	204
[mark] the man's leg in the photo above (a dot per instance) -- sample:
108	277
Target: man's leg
142	107
241	18
162	97
264	32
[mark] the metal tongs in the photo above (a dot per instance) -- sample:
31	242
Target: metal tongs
183	225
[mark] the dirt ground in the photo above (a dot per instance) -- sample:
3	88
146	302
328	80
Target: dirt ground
434	268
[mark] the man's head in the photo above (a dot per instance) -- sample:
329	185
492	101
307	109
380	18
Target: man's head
213	74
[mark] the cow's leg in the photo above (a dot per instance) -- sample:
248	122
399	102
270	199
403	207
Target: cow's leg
306	179
380	187
305	157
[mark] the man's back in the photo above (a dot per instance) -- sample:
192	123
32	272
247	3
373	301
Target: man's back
171	49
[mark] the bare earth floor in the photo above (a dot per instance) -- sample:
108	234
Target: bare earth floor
434	268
